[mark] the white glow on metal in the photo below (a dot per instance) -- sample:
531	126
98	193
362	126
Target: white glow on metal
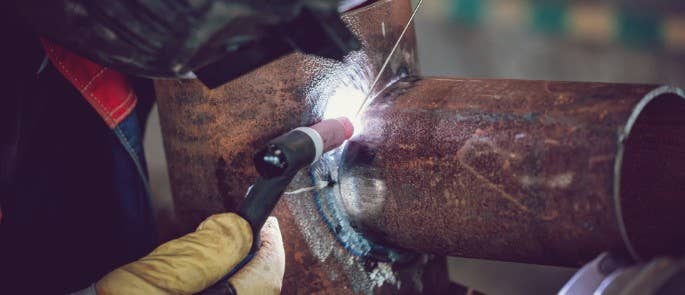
345	102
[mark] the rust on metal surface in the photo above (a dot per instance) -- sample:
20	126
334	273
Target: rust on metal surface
523	171
526	171
211	135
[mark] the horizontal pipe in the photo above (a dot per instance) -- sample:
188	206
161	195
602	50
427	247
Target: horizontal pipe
527	171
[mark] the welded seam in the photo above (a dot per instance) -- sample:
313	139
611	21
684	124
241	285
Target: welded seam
351	240
387	59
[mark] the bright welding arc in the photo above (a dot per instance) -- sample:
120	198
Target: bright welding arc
387	59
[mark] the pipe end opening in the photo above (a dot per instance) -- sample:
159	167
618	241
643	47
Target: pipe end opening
651	179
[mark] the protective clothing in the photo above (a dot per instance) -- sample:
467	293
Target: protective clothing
61	164
68	178
196	261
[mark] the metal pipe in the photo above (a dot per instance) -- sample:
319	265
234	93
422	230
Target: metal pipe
210	137
527	171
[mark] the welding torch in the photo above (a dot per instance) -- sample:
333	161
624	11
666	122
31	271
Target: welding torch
277	164
281	158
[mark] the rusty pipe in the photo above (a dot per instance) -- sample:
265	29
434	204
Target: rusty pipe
211	135
527	171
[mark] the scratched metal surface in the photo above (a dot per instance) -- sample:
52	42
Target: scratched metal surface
449	49
508	170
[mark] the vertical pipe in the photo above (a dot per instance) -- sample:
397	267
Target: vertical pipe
211	135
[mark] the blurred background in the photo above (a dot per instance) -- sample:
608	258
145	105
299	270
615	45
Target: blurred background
632	41
636	41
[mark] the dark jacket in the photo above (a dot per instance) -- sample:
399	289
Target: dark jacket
73	190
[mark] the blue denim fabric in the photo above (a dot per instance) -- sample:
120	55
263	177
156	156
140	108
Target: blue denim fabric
135	209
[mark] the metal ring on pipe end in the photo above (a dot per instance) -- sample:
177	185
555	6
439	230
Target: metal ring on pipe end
623	138
316	138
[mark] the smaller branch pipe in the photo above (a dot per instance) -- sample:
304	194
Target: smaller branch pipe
526	171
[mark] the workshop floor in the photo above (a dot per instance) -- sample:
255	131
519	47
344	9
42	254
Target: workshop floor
448	49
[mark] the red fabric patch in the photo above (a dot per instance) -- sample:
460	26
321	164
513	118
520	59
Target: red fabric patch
106	90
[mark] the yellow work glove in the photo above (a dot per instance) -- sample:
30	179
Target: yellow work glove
197	260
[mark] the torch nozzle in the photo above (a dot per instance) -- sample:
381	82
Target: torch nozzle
302	146
333	132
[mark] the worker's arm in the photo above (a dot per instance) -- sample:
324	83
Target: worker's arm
190	264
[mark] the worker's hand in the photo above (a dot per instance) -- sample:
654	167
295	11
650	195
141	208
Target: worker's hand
264	273
197	260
